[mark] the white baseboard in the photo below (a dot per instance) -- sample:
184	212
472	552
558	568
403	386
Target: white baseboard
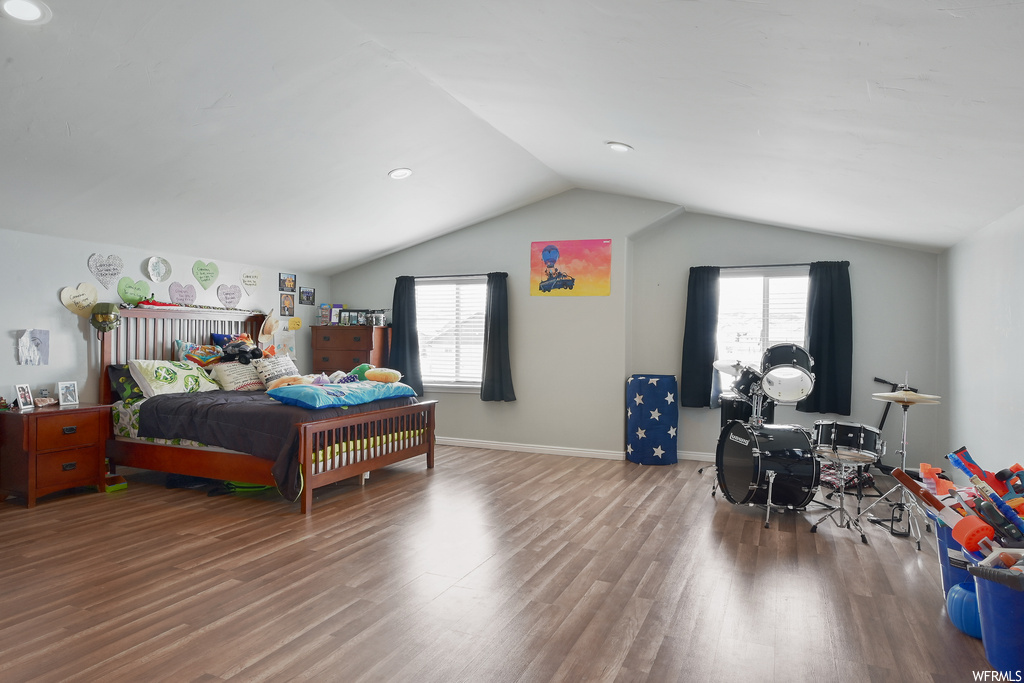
531	448
559	450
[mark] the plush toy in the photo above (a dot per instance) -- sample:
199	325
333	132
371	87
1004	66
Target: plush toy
360	371
241	349
288	381
385	375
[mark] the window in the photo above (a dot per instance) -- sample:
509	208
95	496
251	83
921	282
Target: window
450	316
758	308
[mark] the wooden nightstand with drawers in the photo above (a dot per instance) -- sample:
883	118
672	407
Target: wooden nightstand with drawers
343	347
50	449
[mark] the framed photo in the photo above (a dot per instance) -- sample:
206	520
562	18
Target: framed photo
307	295
67	393
287	305
286	282
24	396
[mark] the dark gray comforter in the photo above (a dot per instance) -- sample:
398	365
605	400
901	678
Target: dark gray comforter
246	421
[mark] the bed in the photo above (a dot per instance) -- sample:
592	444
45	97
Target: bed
323	447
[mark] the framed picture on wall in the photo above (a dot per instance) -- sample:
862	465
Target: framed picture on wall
286	282
307	295
67	393
287	305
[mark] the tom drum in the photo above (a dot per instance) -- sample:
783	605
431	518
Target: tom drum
786	370
746	453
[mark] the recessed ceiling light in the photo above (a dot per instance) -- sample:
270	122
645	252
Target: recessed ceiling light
27	11
618	146
400	173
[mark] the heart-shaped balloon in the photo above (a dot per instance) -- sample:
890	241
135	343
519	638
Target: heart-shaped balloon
132	292
106	268
251	281
229	295
206	273
182	294
81	300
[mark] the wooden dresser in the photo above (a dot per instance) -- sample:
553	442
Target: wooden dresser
53	448
343	347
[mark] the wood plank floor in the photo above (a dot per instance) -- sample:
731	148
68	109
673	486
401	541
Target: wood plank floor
495	566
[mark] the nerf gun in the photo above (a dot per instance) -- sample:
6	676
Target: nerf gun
963	461
942	486
972	532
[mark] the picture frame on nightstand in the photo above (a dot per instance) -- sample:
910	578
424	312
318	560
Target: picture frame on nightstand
67	393
24	393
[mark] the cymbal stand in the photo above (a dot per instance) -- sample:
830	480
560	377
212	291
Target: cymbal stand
903	509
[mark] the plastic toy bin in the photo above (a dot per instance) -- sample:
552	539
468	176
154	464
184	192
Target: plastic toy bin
952	563
1002	625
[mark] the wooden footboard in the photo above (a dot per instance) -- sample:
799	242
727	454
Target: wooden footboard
343	447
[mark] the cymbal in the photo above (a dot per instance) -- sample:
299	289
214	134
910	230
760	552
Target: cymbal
729	367
906	398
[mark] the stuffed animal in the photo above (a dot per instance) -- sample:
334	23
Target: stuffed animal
360	371
385	375
288	381
241	349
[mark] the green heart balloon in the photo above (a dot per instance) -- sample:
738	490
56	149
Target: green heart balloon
132	292
206	273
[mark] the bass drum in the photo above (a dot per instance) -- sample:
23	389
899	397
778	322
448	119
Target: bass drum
747	453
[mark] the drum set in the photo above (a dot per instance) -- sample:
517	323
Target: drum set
779	466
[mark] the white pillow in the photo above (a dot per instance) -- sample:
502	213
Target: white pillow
157	377
234	376
275	367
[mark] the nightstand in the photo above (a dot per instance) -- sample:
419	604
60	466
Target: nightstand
51	449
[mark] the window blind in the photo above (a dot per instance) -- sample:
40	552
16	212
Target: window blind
450	315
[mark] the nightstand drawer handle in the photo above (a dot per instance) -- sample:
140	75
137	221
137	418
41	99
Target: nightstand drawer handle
355	339
68	466
325	359
70	430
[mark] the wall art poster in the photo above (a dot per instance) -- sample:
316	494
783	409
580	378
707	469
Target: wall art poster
571	268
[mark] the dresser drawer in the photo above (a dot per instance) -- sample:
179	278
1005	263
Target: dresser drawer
343	338
71	430
339	359
67	468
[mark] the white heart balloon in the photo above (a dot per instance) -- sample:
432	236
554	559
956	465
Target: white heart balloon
81	300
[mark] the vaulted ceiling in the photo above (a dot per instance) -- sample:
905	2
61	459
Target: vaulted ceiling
264	132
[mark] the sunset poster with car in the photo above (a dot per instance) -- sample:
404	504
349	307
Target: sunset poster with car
571	268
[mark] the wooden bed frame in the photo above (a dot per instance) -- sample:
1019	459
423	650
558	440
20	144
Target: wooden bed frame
150	333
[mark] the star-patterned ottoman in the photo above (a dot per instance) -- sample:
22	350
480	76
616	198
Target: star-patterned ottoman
652	419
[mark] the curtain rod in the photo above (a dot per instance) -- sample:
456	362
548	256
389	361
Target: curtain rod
443	277
766	265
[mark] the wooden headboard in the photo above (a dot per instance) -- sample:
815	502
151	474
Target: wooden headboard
149	334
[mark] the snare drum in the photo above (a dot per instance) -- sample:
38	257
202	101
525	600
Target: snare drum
848	441
787	375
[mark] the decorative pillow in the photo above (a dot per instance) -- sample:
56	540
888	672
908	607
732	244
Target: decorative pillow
236	377
122	382
221	339
332	395
201	355
383	375
157	377
275	367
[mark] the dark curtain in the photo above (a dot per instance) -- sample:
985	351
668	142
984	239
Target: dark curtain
830	338
497	380
699	337
405	341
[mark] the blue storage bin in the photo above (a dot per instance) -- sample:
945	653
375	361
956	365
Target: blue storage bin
952	562
1002	625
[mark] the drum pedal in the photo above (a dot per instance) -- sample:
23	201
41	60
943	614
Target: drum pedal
894	521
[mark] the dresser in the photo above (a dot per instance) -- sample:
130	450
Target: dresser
50	449
343	347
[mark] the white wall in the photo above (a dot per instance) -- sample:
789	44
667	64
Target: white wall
571	356
986	329
568	353
37	268
895	319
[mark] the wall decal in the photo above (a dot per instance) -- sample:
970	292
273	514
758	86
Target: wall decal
229	295
106	269
81	300
132	292
286	282
251	281
34	348
182	294
159	269
571	268
206	273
